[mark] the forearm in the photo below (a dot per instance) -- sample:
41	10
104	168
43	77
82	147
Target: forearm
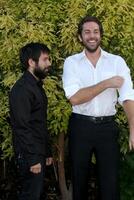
86	94
129	110
49	146
128	106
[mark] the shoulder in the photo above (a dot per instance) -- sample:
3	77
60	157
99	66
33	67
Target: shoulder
114	57
72	61
119	63
74	57
20	88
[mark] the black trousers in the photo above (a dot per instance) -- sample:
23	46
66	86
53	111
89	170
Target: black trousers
84	136
31	185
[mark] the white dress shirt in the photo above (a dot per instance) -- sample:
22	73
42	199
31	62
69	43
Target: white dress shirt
79	73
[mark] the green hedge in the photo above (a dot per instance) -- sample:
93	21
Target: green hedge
54	22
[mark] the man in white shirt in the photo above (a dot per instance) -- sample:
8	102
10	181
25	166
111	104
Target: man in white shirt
91	80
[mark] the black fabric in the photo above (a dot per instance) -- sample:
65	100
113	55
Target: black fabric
31	185
28	113
84	138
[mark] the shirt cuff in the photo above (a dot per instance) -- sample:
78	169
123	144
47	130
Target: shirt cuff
126	97
33	159
71	90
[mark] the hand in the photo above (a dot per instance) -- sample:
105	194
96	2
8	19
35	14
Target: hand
114	82
35	168
131	142
49	161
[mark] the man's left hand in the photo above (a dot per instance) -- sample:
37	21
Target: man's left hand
131	142
49	161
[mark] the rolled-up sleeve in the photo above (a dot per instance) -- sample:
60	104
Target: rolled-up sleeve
70	81
126	92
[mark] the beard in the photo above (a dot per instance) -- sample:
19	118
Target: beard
41	73
91	49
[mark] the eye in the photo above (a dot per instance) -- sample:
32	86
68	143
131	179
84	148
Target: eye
87	32
96	31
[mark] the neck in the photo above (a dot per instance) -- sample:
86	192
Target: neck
31	71
93	55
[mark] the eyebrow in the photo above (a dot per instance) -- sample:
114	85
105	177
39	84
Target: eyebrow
96	29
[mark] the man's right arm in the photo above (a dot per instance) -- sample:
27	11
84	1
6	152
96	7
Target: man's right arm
20	104
86	94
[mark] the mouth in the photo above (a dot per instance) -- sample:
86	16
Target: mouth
47	69
92	42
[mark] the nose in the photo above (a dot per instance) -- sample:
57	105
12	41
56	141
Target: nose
49	63
92	35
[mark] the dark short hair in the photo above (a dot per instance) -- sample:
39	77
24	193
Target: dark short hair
89	19
32	50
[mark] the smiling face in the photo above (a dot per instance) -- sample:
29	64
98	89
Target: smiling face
90	36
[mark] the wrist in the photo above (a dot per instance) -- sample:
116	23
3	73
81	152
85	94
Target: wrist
105	84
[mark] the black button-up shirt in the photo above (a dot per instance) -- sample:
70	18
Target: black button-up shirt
28	113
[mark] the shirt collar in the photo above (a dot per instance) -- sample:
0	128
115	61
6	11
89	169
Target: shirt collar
31	79
103	54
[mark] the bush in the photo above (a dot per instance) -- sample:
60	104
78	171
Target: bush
54	22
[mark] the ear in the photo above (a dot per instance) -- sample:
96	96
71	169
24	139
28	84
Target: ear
79	36
31	62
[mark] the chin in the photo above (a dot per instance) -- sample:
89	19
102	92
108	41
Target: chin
92	50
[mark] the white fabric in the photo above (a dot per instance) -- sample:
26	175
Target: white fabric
79	72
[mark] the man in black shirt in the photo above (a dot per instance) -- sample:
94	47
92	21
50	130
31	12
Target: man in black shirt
28	112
